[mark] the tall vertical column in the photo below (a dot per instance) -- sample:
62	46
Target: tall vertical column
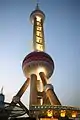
48	88
40	91
44	81
33	90
46	100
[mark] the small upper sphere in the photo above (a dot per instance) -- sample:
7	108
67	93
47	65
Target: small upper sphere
37	62
37	12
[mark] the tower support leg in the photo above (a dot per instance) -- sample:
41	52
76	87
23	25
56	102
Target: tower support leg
49	90
33	90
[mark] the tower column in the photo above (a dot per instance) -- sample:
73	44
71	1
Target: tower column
51	95
48	88
33	90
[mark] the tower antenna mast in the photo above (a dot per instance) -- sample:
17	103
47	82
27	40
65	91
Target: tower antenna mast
37	1
37	4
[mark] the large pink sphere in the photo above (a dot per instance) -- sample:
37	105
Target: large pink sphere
36	60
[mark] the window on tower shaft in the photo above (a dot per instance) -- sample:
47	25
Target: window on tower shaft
39	28
39	47
39	24
39	34
38	39
38	18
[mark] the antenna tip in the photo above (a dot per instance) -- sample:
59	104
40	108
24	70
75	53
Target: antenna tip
37	5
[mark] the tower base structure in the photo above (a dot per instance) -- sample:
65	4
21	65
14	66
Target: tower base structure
56	111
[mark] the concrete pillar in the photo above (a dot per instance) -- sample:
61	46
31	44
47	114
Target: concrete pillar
43	78
23	88
48	88
46	100
51	95
39	89
44	81
33	90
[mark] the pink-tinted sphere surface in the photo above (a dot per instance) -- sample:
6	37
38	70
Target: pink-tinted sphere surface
36	60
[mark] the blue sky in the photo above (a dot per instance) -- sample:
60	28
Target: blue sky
62	37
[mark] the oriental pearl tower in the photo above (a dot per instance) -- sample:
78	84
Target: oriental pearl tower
39	66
